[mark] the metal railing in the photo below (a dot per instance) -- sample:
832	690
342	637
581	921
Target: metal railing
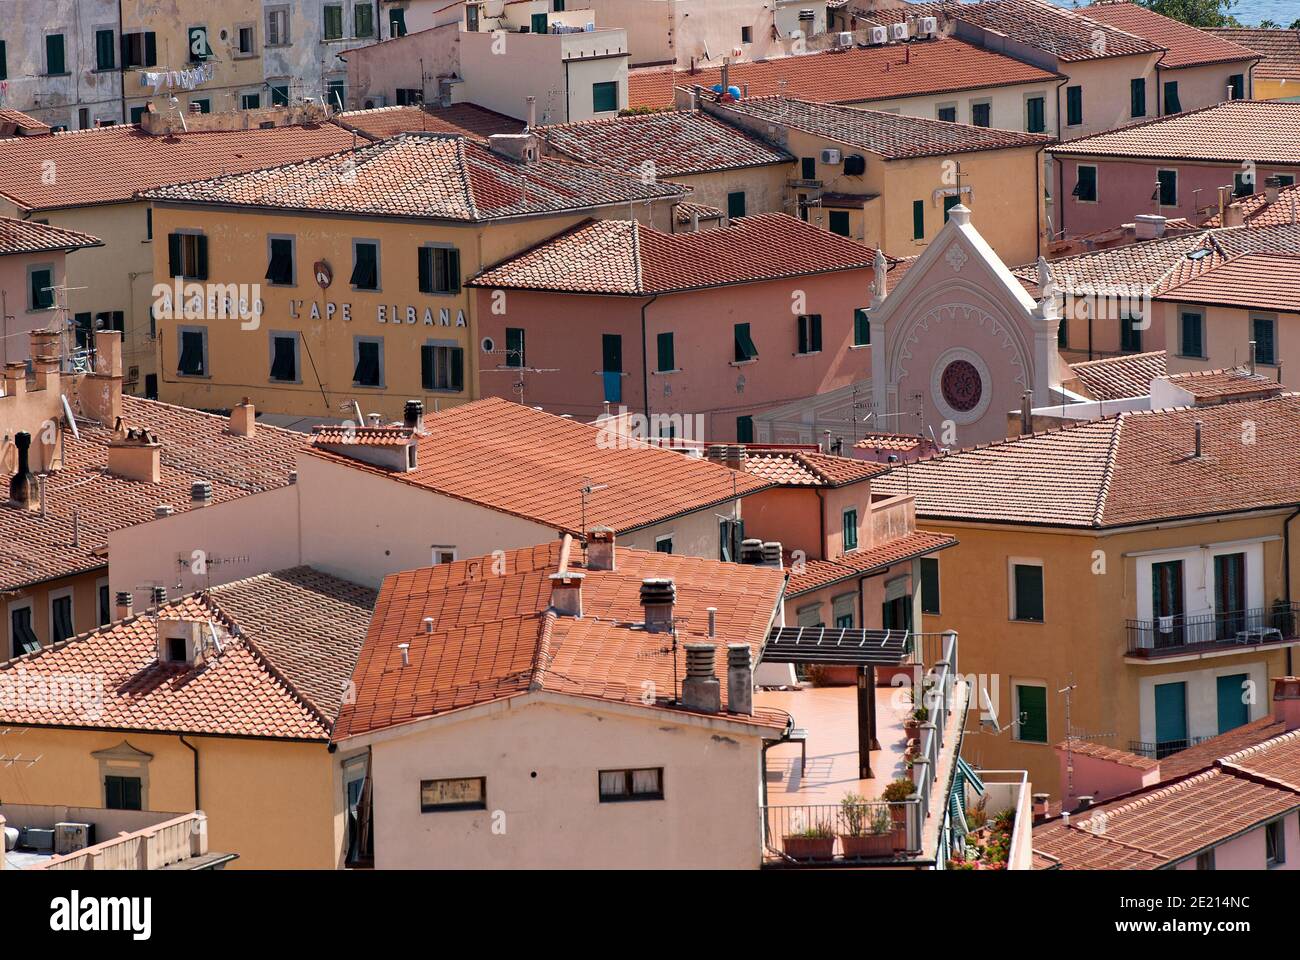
828	833
1163	748
1237	628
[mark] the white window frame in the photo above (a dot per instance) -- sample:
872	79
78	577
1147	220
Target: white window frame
30	604
285	38
59	594
271	337
1012	563
440	549
1016	684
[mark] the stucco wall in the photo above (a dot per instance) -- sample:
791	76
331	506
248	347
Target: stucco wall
1227	333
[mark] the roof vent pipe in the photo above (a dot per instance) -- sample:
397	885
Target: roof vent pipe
740	679
772	554
713	621
200	493
658	597
405	648
427	623
413	415
162	510
1198	439
701	690
159	596
751	551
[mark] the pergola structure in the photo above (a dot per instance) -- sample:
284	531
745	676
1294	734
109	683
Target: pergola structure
845	646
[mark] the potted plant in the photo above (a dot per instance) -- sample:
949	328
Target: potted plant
866	828
816	842
912	723
897	791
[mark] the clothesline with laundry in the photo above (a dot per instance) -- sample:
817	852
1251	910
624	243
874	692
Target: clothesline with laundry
188	79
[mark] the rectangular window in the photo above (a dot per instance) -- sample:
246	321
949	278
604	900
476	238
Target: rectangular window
861	327
4	61
730	534
333	27
929	584
736	204
365	265
279	94
1137	97
1263	330
439	270
199	48
105	605
1035	115
1237	86
61	627
363	21
810	333
667	359
620	785
1168	187
192	350
247	41
1172	103
948	113
461	793
918	219
839	222
279	267
664	544
22	636
1027	590
1085	184
514	347
40	281
284	357
745	429
336	92
139	49
1130	336
808	168
1031	713
409	96
442	367
611	366
981	114
187	255
397	22
1190	341
204	105
538	23
1063	333
1243	184
277	27
1073	106
746	34
55	59
1274	843
250	101
604	96
368	352
849	527
105	50
122	793
745	349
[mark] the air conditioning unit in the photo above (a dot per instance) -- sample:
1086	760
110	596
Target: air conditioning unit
844	40
39	839
71	837
879	35
830	155
928	27
855	165
898	31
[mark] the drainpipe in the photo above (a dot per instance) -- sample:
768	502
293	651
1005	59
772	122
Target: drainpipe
1286	571
121	67
645	360
194	750
821	522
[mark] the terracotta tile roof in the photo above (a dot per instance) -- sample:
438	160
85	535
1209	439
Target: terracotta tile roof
1264	131
195	446
1279	48
1069	35
676	143
14	122
888	135
851	76
1258	212
1224	384
495	637
429	176
806	468
1117	378
28	236
1099	751
890	441
1203	756
362	436
628	258
1186	46
816	574
112	164
1154	827
1134	468
289	641
1276	760
461	119
473	452
683	212
1263	281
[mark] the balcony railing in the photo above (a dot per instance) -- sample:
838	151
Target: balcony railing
1169	636
1158	751
844	833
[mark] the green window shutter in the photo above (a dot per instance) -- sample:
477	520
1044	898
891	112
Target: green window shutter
363	20
948	114
1172	102
1074	106
1137	96
457	368
426	366
839	222
453	270
604	96
4	61
1191	335
201	257
1036	116
918	219
1032	704
1233	709
1168	187
808	168
1029	592
861	327
736	204
41	298
929	584
514	347
54	54
105	50
745	349
174	264
397	21
333	22
1238	84
745	429
279	95
849	526
1130	337
424	268
539	23
1085	185
665	344
1063	334
1263	329
981	114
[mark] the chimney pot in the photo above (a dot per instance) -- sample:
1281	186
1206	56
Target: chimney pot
658	597
375	419
772	554
20	485
200	493
243	419
701	690
1085	801
137	455
1286	701
566	593
15	379
427	623
413	414
1198	438
713	621
162	510
1040	806
736	456
122	608
1026	412
405	648
740	679
751	551
1272	189
600	549
159	596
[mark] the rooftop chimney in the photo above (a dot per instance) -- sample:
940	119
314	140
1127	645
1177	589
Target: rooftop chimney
162	510
159	596
427	624
517	146
701	690
1272	188
658	596
122	608
772	554
600	549
531	107
751	551
1234	215
413	415
1085	801
1286	701
1148	226
713	621
136	455
20	485
15	379
740	679
566	593
200	493
735	456
1040	807
405	649
243	419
